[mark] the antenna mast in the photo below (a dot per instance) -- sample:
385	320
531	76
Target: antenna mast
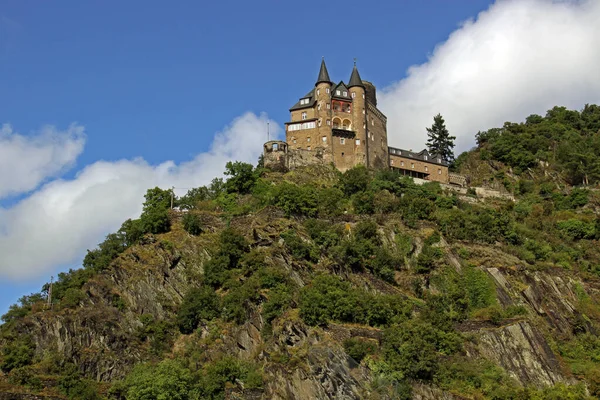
268	131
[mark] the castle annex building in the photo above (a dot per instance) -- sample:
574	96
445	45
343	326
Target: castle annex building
340	123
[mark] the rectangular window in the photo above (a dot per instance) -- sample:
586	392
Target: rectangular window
353	95
324	139
319	107
372	122
337	92
402	163
328	122
328	106
426	169
303	115
275	146
425	158
342	154
412	165
439	171
345	94
327	90
342	141
357	142
392	161
308	148
308	139
318	92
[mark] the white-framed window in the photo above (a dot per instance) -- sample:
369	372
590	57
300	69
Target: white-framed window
328	122
392	162
439	171
328	106
342	141
337	92
425	158
308	148
345	93
304	101
363	95
426	169
402	163
412	165
353	95
324	138
440	160
304	115
357	142
299	126
327	90
308	139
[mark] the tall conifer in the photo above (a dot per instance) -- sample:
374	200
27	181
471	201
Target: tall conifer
439	140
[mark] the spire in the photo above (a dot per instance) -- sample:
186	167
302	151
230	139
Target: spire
323	74
355	78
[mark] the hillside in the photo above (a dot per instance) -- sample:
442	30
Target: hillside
313	284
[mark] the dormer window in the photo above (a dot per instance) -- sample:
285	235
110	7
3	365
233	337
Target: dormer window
439	160
304	101
345	94
337	92
425	157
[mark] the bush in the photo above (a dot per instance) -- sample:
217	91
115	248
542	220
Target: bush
427	259
359	348
575	229
167	380
17	353
198	304
192	224
74	386
242	177
354	180
300	249
412	348
295	200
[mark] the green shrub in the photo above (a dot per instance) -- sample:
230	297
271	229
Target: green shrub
426	261
198	304
279	299
575	229
300	249
18	352
296	200
359	348
354	180
192	224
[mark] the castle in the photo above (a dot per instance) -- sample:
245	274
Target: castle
340	124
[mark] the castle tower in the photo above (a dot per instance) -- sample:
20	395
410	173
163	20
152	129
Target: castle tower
361	143
323	138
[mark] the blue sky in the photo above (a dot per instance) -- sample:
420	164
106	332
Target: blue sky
156	81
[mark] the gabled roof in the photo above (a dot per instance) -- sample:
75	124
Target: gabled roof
422	155
355	78
342	88
323	74
311	101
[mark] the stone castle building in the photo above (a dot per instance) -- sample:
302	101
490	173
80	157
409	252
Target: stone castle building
341	124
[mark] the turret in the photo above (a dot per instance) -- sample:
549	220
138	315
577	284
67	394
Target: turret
357	92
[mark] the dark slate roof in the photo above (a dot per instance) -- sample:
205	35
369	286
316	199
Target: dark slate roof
422	155
323	74
342	88
311	101
355	78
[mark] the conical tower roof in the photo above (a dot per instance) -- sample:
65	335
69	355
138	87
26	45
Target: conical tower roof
355	78
323	74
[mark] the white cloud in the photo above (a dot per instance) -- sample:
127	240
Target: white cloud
26	161
56	224
518	58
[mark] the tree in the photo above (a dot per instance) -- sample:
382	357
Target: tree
439	140
242	177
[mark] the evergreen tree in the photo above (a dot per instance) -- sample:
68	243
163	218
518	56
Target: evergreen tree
439	140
